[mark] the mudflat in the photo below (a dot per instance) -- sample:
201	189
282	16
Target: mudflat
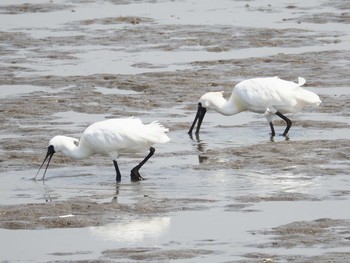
228	195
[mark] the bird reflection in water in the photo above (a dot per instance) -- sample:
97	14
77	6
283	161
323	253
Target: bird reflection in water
201	148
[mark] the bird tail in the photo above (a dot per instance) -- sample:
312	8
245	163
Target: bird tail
308	98
157	132
305	96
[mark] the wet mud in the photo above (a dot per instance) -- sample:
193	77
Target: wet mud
29	120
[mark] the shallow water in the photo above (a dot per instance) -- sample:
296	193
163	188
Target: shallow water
214	226
212	198
218	222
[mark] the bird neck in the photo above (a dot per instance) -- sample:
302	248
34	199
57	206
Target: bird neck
228	107
70	149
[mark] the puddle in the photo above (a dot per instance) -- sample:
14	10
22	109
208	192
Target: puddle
78	118
107	91
19	90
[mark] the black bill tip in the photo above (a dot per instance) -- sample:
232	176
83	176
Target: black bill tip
49	154
199	117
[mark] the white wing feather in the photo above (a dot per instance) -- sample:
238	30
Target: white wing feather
285	96
123	135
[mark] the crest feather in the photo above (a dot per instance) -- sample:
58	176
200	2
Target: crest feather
301	81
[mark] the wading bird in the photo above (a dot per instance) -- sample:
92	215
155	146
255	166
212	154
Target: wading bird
112	137
270	96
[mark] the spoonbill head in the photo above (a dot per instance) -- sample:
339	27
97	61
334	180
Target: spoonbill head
113	138
270	96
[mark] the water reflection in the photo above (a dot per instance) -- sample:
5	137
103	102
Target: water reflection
201	148
115	197
46	192
135	231
76	184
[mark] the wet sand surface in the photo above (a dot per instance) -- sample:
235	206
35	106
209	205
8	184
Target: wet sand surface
228	195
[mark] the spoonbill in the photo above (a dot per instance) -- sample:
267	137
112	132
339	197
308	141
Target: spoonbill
113	137
270	96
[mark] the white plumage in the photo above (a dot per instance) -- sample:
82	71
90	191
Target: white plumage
112	137
270	96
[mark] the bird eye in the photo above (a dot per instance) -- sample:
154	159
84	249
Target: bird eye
76	143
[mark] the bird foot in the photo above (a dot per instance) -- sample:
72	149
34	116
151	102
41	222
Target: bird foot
285	136
272	137
135	175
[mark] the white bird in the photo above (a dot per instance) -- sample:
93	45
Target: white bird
112	137
270	96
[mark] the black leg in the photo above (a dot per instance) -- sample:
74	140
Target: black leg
135	175
272	130
288	121
119	176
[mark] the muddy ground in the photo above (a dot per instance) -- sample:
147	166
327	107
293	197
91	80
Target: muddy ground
30	120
